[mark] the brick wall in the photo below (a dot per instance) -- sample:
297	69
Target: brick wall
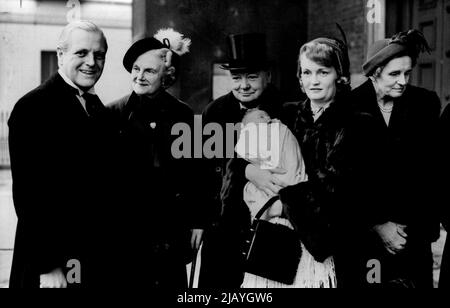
350	14
209	22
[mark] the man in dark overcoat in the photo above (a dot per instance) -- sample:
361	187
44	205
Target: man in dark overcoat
250	80
59	141
444	276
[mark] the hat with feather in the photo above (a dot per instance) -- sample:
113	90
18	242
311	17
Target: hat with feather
408	43
340	49
169	39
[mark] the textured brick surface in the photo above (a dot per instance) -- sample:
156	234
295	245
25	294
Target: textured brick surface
350	14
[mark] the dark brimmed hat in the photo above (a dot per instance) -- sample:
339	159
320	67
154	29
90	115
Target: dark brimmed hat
340	52
164	38
140	47
381	52
246	52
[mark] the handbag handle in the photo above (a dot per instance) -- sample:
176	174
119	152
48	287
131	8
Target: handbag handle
255	224
266	206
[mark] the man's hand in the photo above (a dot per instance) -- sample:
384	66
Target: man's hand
196	238
53	280
393	236
265	179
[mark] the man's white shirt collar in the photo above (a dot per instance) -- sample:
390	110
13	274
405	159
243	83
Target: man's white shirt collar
70	83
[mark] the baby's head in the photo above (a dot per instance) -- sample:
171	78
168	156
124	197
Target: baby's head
256	116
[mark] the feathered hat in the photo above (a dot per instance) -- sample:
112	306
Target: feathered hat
411	42
167	38
340	48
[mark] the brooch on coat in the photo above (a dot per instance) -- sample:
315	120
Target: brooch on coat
153	125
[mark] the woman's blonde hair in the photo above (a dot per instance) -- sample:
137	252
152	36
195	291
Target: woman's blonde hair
327	54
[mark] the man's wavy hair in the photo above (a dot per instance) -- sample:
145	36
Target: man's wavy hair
63	41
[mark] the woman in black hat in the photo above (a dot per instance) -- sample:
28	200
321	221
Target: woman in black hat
401	217
159	211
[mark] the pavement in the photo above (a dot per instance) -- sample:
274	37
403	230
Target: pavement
8	221
438	248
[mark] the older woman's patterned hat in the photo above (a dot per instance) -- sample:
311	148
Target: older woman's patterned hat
164	38
138	48
381	52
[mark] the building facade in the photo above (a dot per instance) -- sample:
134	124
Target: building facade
288	24
29	30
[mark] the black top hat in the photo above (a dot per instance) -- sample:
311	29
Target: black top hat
247	52
140	47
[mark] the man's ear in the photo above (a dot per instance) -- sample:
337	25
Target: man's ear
171	70
269	76
59	54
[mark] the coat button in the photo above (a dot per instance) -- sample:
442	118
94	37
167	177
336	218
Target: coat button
218	169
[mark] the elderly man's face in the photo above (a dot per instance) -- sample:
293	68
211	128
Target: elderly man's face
147	73
248	86
84	59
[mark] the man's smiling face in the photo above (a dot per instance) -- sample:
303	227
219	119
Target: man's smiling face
83	59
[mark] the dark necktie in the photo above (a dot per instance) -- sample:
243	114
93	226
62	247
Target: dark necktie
93	104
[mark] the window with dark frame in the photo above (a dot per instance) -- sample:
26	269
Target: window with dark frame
49	64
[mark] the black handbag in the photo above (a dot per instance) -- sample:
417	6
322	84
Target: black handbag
273	251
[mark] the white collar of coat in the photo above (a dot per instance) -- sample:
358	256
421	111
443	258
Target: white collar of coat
70	83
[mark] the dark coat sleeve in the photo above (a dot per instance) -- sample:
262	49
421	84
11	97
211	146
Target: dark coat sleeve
433	176
328	208
306	208
193	192
211	169
445	167
38	191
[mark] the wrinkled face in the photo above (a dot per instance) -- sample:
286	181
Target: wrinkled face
83	60
319	82
147	73
394	77
256	116
247	87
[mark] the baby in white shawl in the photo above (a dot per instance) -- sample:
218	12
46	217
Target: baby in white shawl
269	144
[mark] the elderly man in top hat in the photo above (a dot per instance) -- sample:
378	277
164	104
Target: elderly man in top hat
59	144
250	78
